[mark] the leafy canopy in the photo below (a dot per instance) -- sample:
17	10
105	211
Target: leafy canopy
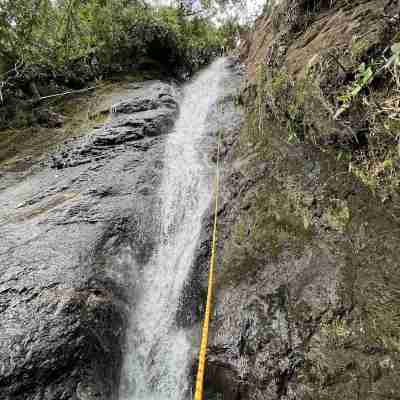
56	34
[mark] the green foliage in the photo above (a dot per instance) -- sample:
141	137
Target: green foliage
285	101
74	41
359	48
364	77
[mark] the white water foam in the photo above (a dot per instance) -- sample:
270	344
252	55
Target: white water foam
158	360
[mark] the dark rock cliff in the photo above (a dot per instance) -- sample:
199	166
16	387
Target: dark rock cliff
307	293
65	278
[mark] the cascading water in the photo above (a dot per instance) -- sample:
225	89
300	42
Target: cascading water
157	364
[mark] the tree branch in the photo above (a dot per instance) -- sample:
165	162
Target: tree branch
66	93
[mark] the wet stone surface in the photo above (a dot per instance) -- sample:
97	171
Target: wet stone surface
65	278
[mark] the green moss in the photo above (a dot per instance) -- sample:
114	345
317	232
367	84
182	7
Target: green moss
337	215
280	83
359	47
296	105
335	332
277	220
392	126
22	147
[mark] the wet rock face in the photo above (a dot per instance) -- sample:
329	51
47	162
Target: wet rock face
72	238
293	308
306	298
150	112
296	303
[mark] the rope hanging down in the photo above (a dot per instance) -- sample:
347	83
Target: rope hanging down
198	394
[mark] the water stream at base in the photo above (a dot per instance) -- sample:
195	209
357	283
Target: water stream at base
157	364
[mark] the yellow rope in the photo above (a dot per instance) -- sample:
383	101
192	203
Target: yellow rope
198	394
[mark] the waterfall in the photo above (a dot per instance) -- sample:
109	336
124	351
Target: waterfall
157	362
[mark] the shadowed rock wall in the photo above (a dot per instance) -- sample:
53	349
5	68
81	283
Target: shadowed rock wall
308	283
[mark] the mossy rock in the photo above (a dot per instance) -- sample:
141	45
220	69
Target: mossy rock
277	220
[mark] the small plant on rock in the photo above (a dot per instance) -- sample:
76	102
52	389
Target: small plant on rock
364	77
394	62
